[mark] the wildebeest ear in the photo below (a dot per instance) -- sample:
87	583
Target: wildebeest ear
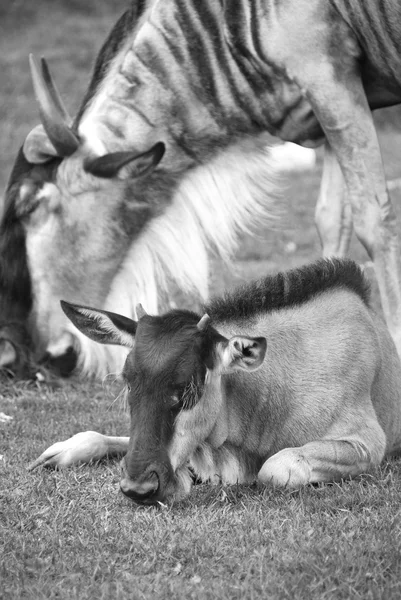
125	165
245	353
37	147
101	325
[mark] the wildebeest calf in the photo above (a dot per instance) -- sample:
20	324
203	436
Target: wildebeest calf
291	379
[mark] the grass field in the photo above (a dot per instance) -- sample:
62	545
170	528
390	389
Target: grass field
72	535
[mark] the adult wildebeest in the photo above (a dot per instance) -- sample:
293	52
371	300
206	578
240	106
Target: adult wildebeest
317	398
164	156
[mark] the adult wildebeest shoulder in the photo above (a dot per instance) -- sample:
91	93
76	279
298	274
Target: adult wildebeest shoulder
291	379
165	157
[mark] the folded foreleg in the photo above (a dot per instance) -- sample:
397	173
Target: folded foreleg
83	447
324	460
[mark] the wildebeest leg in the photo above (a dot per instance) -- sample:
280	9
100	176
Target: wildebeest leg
344	114
326	460
333	214
83	447
322	55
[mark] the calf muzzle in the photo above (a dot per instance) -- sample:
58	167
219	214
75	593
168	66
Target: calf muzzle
143	490
146	481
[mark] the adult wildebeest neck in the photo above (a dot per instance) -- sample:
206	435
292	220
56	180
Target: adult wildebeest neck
235	91
115	40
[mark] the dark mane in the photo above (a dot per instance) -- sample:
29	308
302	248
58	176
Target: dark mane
290	288
15	282
110	48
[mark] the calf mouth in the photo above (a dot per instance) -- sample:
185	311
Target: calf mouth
154	484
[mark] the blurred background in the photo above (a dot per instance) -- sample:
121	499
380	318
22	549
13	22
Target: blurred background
69	33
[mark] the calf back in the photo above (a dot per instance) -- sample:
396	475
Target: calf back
327	362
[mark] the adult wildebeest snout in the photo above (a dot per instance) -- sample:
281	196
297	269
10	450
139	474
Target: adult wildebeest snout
15	348
62	364
17	355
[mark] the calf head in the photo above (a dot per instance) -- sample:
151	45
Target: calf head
174	376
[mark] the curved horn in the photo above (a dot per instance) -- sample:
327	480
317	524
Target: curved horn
51	86
140	311
204	322
51	112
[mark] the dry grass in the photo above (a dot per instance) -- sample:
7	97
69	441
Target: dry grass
71	534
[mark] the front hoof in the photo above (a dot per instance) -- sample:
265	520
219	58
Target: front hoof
285	469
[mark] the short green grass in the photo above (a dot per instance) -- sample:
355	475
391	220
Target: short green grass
72	535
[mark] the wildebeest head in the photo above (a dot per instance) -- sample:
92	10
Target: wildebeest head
94	219
174	377
68	222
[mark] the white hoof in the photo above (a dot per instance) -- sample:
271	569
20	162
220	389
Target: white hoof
80	448
287	468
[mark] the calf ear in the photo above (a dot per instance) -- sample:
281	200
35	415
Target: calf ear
101	325
245	353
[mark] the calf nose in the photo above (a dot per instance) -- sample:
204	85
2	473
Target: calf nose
142	490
